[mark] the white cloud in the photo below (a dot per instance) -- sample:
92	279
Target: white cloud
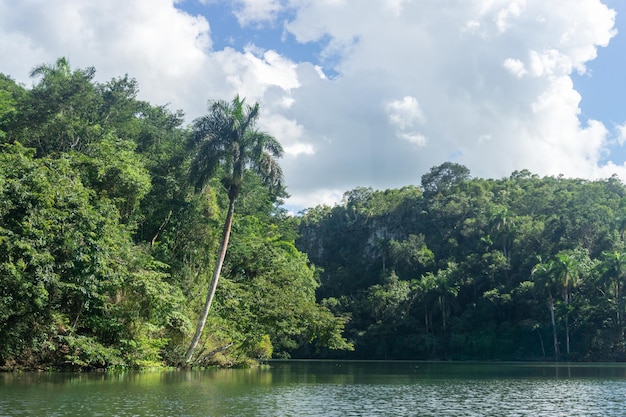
320	72
299	148
549	63
395	6
621	134
493	77
291	133
415	138
320	196
405	113
152	41
515	67
252	72
509	13
256	11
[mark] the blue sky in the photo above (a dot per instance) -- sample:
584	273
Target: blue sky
603	89
365	92
226	31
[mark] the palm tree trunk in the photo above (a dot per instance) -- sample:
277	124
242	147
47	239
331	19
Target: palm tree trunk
543	349
552	318
567	297
618	302
567	333
213	287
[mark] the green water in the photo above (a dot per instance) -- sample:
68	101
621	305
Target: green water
327	389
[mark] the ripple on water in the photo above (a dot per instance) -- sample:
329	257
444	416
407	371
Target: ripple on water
511	398
241	394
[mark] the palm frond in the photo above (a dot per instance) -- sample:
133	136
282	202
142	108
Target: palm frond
227	137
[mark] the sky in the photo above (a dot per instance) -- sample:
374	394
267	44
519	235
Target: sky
368	93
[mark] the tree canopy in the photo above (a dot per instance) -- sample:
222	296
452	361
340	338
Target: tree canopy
468	268
107	242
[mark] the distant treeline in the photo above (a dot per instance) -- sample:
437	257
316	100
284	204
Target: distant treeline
467	268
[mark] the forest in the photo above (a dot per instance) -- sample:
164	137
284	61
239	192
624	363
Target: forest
112	212
460	268
117	220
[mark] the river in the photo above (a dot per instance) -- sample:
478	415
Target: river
326	388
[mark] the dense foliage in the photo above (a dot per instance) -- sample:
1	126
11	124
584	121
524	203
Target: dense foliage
111	217
468	268
107	245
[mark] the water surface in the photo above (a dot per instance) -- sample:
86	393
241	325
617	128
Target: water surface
312	388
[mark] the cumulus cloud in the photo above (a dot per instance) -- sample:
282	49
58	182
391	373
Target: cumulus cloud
621	134
412	84
290	131
254	71
161	46
493	76
406	115
256	11
515	67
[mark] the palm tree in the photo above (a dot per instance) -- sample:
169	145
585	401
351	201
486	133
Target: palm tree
227	138
60	114
543	276
60	69
615	270
575	266
565	270
568	270
502	223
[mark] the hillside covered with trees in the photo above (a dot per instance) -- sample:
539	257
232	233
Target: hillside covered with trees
468	268
111	217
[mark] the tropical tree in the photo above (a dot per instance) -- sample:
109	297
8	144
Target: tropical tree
74	289
543	276
565	270
568	270
614	265
227	140
502	223
10	94
60	113
442	178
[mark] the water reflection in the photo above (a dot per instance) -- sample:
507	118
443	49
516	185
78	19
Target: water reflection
327	389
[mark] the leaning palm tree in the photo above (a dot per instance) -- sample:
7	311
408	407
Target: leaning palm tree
227	138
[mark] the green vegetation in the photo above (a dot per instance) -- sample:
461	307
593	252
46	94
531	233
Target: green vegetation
110	220
117	222
467	268
226	138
